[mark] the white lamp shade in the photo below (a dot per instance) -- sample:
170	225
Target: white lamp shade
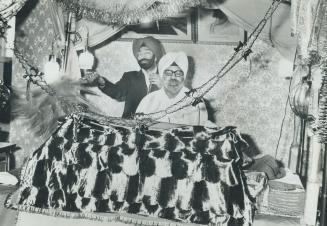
51	71
86	60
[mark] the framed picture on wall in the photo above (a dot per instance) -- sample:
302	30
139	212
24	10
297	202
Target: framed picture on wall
174	29
214	27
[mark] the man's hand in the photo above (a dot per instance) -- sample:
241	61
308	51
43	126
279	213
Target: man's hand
155	80
92	79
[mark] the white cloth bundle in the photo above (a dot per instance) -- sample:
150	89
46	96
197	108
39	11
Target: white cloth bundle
7	178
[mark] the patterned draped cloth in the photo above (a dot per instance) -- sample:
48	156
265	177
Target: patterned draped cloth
9	8
309	24
188	174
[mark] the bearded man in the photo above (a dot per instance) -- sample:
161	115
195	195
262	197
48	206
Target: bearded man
134	85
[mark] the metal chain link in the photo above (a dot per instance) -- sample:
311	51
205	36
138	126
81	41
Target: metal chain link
191	98
242	51
33	75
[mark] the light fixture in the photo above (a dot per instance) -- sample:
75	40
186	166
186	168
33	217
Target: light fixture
51	70
146	22
285	68
86	58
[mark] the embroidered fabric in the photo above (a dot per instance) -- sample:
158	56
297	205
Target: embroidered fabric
187	174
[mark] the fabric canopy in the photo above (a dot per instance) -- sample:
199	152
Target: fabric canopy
247	14
95	32
9	8
127	5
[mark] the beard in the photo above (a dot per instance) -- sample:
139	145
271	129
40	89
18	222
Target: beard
146	63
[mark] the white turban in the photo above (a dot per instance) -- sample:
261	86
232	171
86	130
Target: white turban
178	58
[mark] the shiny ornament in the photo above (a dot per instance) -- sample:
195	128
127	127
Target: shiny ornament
300	95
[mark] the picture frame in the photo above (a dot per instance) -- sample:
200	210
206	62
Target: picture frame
179	29
214	27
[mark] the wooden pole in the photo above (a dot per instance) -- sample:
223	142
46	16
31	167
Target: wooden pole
323	211
67	40
313	183
301	149
303	138
57	19
295	146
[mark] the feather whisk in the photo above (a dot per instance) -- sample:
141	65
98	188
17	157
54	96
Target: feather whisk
43	111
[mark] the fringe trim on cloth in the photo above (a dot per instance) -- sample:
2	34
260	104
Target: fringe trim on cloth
114	216
123	218
206	161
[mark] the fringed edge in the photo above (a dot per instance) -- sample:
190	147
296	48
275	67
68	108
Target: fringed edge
133	219
269	213
65	214
8	202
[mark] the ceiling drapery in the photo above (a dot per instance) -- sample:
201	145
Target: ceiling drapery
247	14
309	25
95	33
90	31
305	19
119	12
9	8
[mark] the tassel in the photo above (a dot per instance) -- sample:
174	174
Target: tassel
28	90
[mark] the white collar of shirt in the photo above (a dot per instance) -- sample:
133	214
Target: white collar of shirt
175	99
165	102
146	76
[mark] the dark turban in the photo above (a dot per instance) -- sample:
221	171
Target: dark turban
153	44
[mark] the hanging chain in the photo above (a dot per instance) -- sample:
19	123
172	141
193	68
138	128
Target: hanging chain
194	96
34	76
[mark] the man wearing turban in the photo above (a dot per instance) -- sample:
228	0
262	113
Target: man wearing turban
173	68
134	85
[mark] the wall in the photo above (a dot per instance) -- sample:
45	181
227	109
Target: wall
33	38
252	96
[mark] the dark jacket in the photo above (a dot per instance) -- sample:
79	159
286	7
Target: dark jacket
131	88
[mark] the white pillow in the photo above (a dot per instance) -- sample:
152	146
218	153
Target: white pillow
7	178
